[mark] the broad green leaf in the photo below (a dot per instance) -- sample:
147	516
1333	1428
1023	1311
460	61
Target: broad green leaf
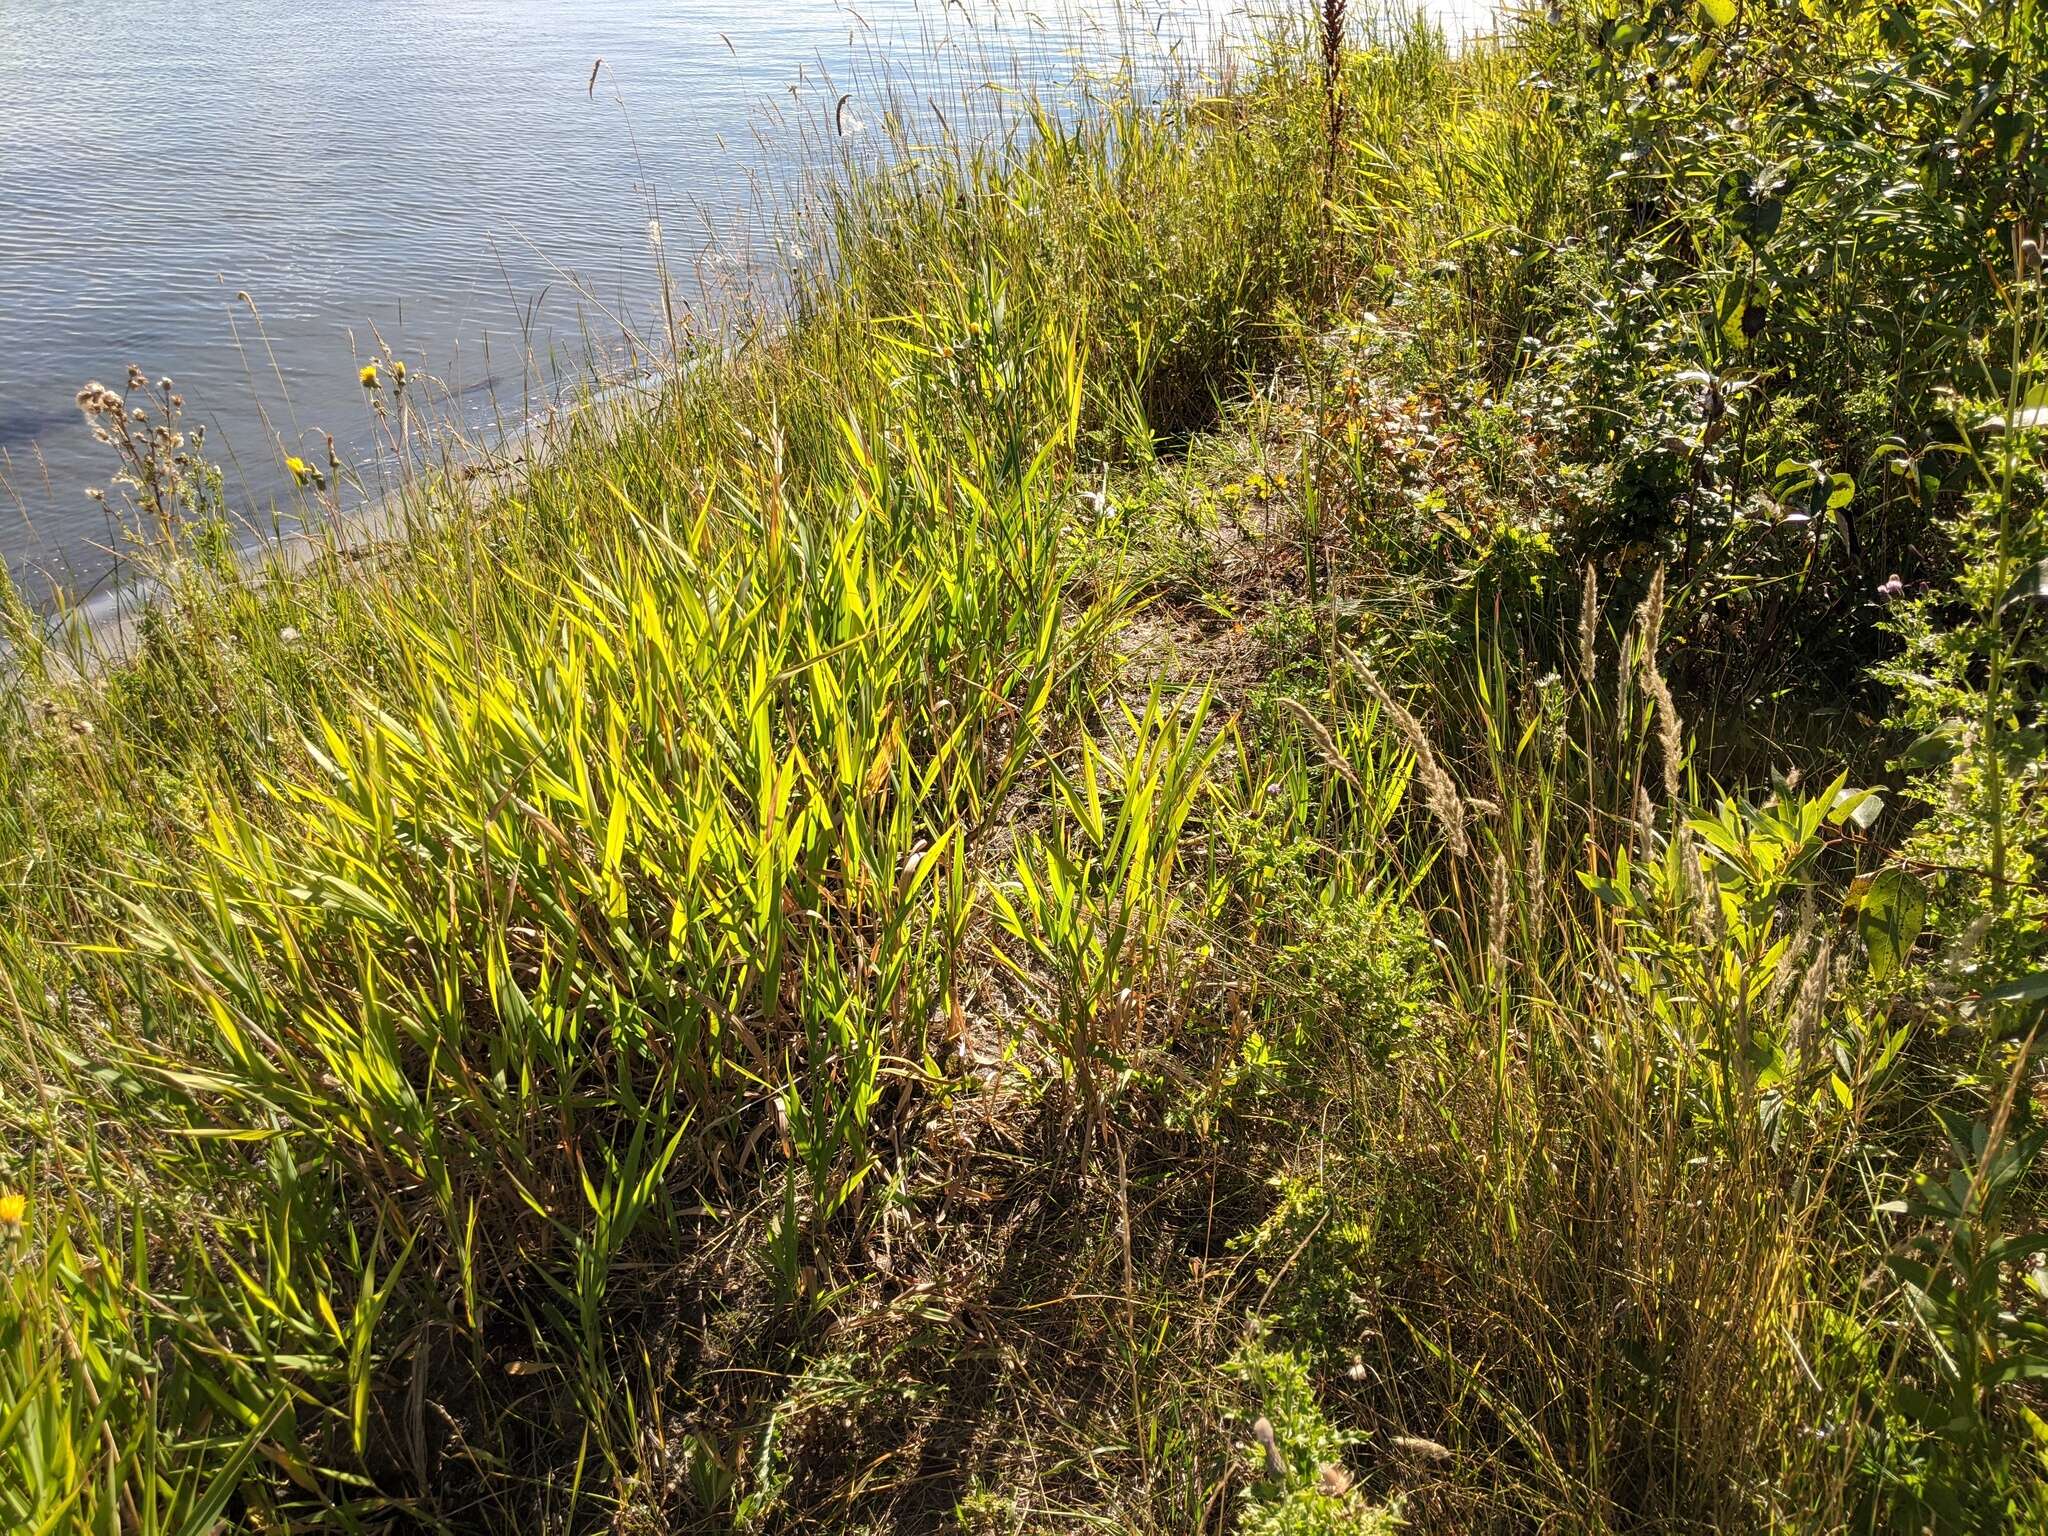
2032	587
1859	808
2027	989
1729	312
1624	36
1719	13
1754	210
1928	751
1890	917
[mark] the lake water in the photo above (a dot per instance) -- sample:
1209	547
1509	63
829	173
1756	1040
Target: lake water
253	196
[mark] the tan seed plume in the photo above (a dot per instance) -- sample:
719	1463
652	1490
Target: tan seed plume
1439	790
1670	729
1589	618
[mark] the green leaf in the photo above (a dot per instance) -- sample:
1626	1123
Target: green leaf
1889	918
1754	210
1624	36
1729	311
1842	492
1898	27
2009	131
1930	751
2032	587
1605	890
2027	989
1719	13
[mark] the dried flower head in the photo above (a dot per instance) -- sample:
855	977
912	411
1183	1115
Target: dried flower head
98	400
1276	1464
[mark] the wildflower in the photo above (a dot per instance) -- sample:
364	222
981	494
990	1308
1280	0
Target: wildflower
398	373
1891	589
302	472
368	375
13	1209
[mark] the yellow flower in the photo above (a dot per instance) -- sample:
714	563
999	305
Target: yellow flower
369	376
13	1207
301	470
398	373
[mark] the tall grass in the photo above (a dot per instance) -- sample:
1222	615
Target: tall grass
411	960
1083	889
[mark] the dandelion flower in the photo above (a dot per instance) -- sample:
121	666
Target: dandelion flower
369	375
301	470
398	373
13	1208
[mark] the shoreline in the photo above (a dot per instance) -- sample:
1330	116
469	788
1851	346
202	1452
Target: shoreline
101	630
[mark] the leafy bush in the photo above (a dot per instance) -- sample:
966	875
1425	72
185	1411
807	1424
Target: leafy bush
1794	216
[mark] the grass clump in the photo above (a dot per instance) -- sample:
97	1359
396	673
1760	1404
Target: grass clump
1213	849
